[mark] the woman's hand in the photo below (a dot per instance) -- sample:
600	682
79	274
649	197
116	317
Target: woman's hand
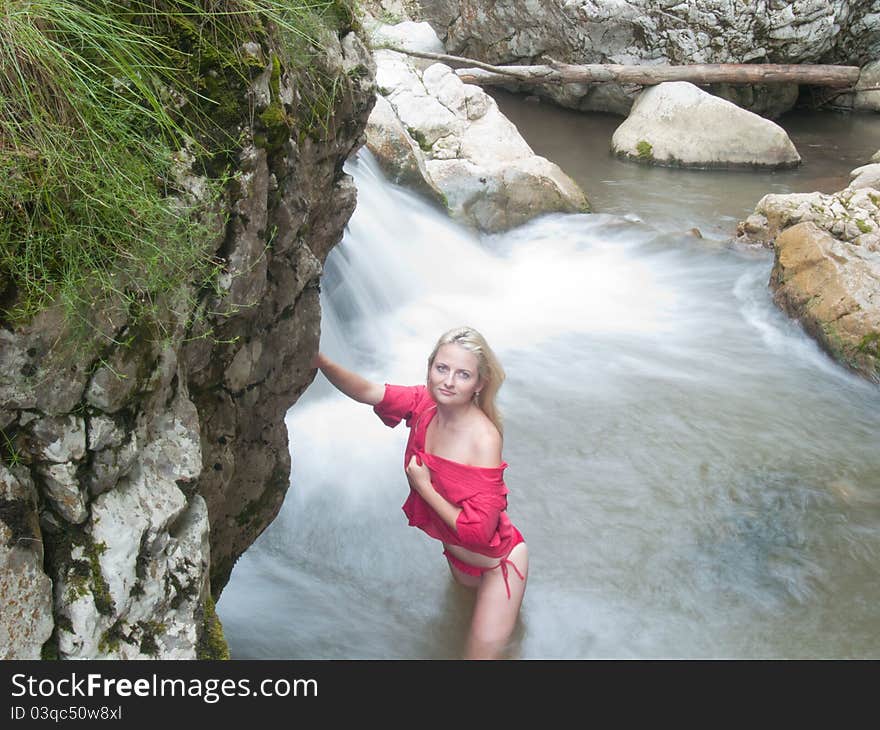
418	474
318	360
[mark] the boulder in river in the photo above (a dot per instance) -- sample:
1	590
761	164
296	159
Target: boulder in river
866	176
851	215
827	269
678	124
428	124
833	289
867	91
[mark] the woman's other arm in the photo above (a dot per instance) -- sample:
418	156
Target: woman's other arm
419	477
352	384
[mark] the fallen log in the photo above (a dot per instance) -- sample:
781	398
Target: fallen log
475	72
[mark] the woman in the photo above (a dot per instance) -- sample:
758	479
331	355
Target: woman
455	472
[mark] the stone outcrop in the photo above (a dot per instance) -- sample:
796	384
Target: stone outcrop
650	32
827	268
140	458
833	289
851	215
431	131
677	123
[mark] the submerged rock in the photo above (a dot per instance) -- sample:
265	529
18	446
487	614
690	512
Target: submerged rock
430	130
678	124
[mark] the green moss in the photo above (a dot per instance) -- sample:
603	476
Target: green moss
100	590
49	651
182	592
276	121
149	631
212	643
83	576
870	344
112	638
645	150
420	138
864	226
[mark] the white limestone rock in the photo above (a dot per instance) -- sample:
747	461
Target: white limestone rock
867	93
26	620
143	558
463	147
408	35
59	439
866	176
671	32
63	490
678	124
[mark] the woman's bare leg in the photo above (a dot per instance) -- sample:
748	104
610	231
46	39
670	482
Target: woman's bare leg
494	614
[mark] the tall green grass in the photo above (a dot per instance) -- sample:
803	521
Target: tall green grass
95	99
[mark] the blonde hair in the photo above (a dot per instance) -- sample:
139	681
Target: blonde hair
488	367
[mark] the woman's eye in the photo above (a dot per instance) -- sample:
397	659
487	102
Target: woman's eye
464	376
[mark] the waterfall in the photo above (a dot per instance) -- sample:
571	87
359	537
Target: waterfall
693	475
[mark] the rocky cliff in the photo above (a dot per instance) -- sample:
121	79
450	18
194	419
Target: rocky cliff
660	32
143	453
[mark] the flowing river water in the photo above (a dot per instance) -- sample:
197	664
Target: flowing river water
693	476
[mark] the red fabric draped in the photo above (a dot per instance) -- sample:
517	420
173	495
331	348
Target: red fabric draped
480	492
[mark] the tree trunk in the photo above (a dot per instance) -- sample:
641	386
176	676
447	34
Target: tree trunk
476	72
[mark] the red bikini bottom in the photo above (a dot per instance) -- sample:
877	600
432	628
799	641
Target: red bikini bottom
477	570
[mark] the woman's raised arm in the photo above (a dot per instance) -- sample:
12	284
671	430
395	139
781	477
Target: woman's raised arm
352	384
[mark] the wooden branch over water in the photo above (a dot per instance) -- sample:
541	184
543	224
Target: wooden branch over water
484	74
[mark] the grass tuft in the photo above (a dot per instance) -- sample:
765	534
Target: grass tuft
97	98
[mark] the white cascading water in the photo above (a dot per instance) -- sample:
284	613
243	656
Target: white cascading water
693	476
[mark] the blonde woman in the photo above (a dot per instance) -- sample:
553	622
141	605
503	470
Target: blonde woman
455	471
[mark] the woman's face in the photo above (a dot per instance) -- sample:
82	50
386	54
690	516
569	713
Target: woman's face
453	377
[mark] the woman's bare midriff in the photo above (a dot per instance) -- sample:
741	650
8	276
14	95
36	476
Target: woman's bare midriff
472	558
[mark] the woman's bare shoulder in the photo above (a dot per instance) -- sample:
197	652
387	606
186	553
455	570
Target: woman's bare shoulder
487	442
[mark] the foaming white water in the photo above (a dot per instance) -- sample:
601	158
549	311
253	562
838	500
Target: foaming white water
693	476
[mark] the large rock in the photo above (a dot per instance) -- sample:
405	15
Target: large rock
827	270
867	91
833	289
851	215
430	125
149	455
676	123
866	176
663	33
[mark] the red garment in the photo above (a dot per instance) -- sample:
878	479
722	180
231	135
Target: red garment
482	525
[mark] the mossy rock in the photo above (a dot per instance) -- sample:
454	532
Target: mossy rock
212	643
